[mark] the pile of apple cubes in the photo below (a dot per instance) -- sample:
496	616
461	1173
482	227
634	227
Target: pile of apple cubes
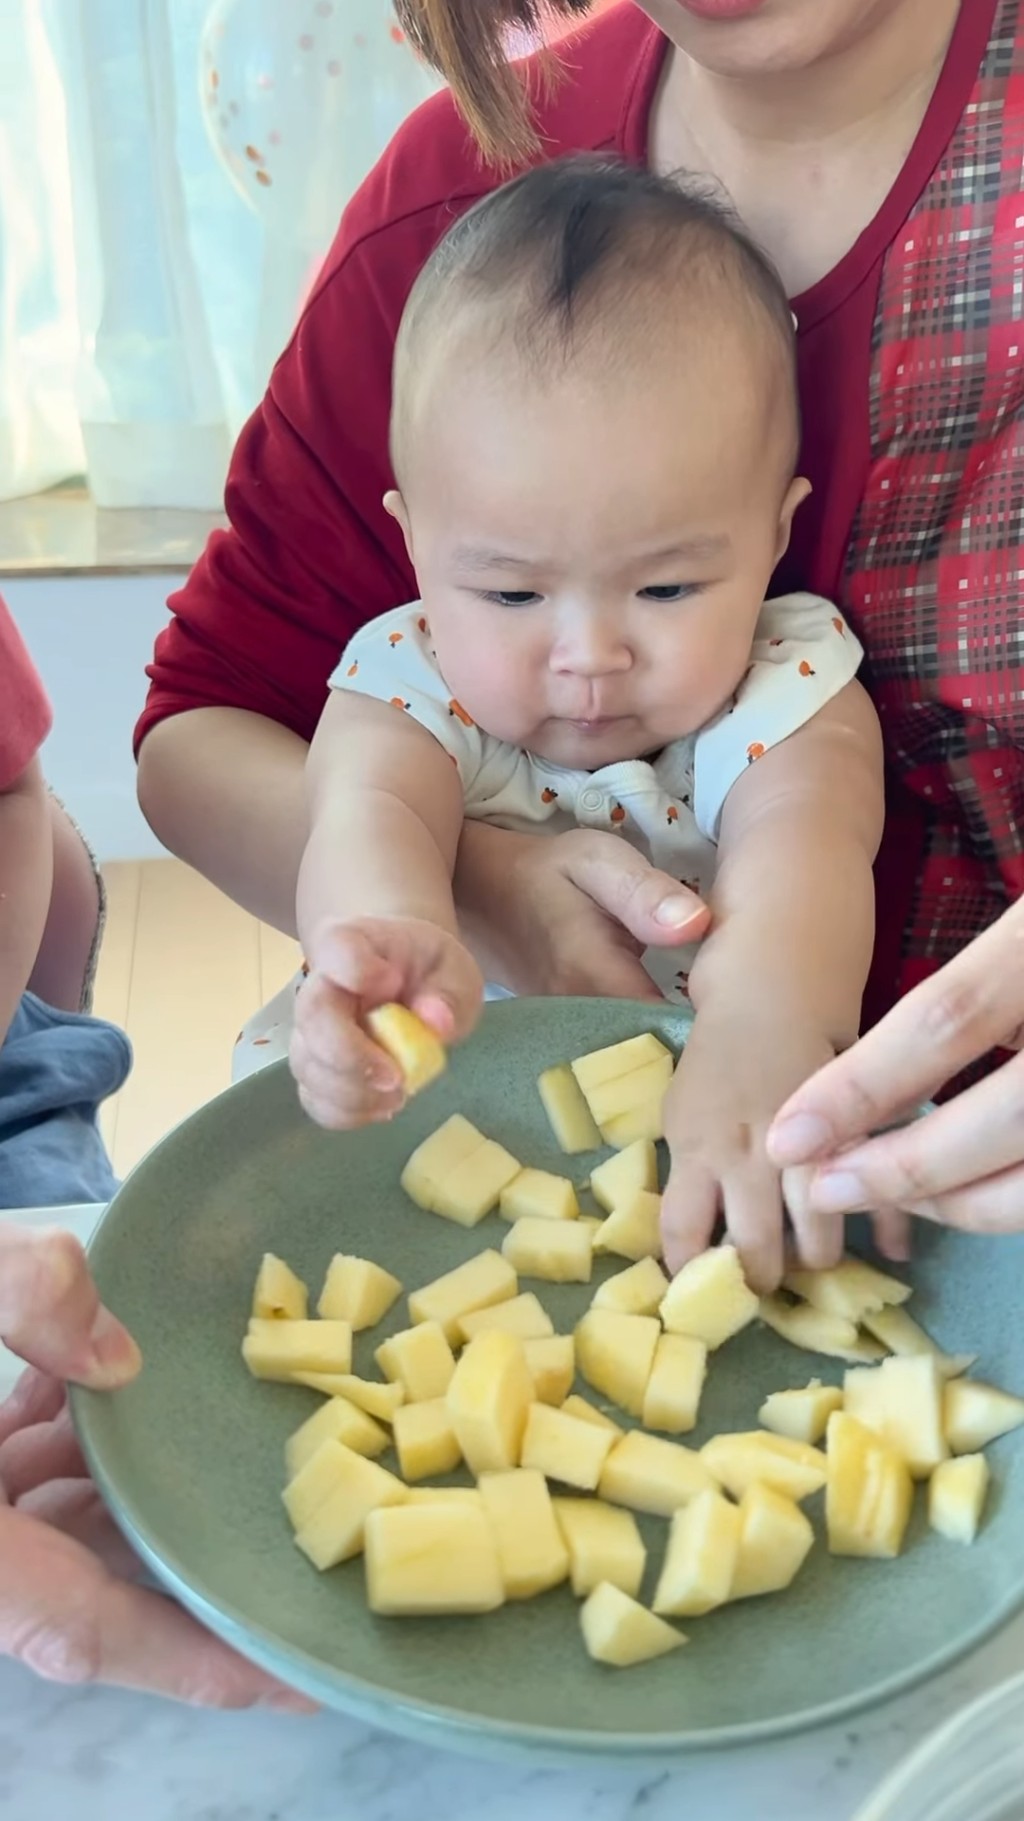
504	1407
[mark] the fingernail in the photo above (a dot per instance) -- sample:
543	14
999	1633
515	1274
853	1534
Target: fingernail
838	1192
116	1356
898	1251
799	1139
676	913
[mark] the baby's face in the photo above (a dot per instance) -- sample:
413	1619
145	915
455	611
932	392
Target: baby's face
593	557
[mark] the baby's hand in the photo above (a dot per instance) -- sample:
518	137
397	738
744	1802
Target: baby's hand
344	1078
737	1069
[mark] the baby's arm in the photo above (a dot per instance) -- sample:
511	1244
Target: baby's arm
26	879
777	985
375	908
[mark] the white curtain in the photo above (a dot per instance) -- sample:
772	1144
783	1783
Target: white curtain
171	175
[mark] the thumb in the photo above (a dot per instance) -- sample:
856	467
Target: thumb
51	1315
651	905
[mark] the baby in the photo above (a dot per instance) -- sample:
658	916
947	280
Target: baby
595	436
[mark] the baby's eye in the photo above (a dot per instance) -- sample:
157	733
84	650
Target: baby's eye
667	591
512	597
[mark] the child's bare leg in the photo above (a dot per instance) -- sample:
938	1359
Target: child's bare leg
62	973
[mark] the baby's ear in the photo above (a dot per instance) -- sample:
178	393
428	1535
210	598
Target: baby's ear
395	505
797	491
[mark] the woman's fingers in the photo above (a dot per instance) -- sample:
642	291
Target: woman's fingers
75	1508
42	1452
51	1315
977	1136
970	1007
36	1398
64	1616
651	905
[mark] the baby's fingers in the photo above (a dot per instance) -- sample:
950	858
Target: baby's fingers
450	995
350	959
754	1222
689	1211
344	1080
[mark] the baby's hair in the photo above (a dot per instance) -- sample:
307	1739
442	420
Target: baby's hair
467	40
584	248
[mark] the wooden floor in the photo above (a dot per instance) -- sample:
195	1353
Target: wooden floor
181	969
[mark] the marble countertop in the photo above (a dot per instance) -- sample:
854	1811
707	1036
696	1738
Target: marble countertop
99	1755
102	1755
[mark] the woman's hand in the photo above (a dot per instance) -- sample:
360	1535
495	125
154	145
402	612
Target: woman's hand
964	1164
570	914
69	1608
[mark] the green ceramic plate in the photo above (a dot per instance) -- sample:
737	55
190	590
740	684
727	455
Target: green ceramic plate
190	1456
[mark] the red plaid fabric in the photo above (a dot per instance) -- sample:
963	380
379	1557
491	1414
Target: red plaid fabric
936	562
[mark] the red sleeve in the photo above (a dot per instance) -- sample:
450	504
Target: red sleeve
25	716
311	555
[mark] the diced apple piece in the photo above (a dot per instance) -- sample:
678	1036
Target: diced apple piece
851	1289
638	1291
901	1400
801	1415
615	1354
604	1544
564	1449
592	1224
709	1299
775	1540
420	1360
357	1291
975	1414
634	1168
700	1561
956	1497
425	1440
488	1401
578	1406
552	1363
474	1187
618	1631
755	1458
481	1283
540	1195
531	1548
560	1251
331	1526
634	1229
339	1421
814	1331
367	1394
444	1495
439	1558
522	1315
279	1295
642	1123
613	1099
569	1115
902	1334
869	1493
437	1157
410	1043
280	1349
673	1394
650	1475
618	1059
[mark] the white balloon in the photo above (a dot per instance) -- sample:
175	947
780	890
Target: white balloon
300	98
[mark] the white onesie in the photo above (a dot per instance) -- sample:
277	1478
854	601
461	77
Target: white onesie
669	808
